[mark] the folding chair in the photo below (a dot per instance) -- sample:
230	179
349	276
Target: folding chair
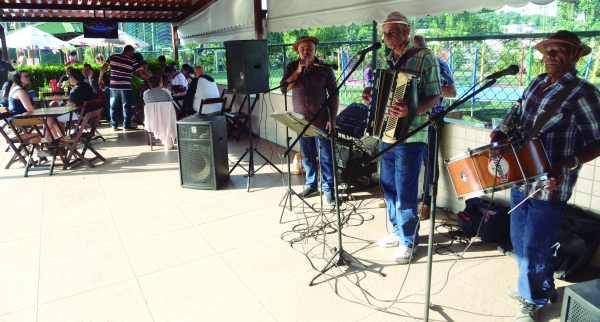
161	121
84	138
239	119
45	147
20	150
207	101
89	106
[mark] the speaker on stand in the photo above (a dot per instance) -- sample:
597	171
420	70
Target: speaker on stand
248	73
202	152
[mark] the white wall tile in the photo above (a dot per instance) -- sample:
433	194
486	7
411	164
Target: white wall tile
587	172
584	185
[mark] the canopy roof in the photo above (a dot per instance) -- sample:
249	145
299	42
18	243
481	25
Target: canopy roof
60	28
121	11
33	38
123	40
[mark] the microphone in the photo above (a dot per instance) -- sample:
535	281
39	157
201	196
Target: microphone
374	46
511	70
508	122
327	65
304	67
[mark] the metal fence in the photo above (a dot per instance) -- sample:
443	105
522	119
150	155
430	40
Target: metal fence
470	60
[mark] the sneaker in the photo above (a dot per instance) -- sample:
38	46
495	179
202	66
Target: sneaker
330	199
308	192
513	292
423	211
403	255
130	128
391	240
381	203
527	313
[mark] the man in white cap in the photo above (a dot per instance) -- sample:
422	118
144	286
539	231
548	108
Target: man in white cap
399	168
308	93
571	137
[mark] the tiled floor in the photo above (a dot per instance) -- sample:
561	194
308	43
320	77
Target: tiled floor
124	242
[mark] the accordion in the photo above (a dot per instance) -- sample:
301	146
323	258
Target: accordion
388	85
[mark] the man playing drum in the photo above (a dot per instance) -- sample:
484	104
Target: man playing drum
399	176
571	137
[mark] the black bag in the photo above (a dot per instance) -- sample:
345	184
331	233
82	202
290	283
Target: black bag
471	218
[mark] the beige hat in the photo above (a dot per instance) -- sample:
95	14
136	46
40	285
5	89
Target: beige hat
394	17
305	38
566	37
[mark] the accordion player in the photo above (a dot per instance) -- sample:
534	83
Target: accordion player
388	85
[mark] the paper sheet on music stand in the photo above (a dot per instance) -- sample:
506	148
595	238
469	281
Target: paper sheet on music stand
297	124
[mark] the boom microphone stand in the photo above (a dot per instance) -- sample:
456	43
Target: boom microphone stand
434	183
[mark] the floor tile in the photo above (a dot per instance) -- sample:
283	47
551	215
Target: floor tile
166	250
187	288
214	208
18	289
30	192
26	315
151	223
20	227
77	274
12	209
129	187
19	253
182	195
122	301
74	216
243	308
72	181
71	198
139	202
237	231
79	240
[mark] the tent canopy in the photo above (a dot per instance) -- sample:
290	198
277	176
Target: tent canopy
123	40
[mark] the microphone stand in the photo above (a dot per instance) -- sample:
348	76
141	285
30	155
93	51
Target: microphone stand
434	184
340	257
289	192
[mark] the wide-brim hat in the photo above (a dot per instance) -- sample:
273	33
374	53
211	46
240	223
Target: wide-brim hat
567	37
305	38
394	17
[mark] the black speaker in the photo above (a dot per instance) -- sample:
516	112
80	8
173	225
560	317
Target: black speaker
202	151
247	66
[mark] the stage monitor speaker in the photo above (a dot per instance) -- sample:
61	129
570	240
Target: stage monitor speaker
247	66
202	151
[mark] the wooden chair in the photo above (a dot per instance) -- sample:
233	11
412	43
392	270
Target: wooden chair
45	147
21	150
207	101
239	119
230	107
82	137
89	106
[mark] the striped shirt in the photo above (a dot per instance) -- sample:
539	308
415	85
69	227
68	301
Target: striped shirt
425	65
157	95
575	124
121	68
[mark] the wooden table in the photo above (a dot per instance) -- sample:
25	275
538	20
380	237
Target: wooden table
53	112
43	101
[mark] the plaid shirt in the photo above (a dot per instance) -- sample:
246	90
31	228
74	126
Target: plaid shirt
575	124
425	65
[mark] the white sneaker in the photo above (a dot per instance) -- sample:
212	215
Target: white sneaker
403	255
391	240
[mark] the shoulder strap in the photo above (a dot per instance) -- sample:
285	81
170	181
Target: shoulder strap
18	88
550	111
406	56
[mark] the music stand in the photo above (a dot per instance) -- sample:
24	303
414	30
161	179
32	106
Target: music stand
251	149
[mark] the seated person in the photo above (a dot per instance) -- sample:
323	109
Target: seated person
205	88
5	91
18	100
156	93
188	73
65	78
176	77
72	58
80	93
89	77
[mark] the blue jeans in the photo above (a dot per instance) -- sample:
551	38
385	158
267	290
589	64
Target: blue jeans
399	179
120	97
429	153
309	146
534	227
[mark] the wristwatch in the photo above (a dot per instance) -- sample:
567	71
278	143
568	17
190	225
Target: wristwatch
576	165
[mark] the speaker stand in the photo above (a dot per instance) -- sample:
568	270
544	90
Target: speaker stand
251	150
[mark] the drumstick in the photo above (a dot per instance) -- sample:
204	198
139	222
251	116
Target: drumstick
531	195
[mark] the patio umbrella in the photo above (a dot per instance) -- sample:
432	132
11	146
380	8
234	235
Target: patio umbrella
33	38
123	40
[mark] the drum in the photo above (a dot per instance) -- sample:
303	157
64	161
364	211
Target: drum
475	173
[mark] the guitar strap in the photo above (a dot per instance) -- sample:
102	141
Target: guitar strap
404	58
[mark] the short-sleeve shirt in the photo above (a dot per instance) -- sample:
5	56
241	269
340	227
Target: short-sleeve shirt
136	83
121	68
157	95
5	67
179	80
446	78
424	65
80	93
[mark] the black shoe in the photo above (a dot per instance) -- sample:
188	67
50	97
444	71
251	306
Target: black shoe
528	312
130	128
330	199
115	128
308	192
